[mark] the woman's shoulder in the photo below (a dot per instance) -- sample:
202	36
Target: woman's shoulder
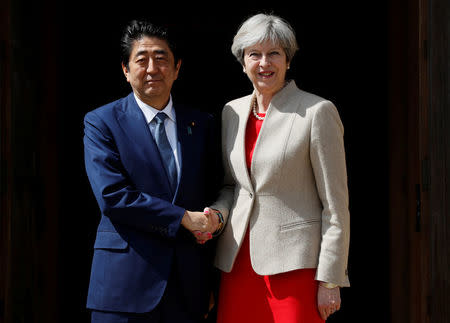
237	104
321	111
313	106
310	99
239	101
292	95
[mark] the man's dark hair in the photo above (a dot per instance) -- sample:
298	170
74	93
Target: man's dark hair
136	30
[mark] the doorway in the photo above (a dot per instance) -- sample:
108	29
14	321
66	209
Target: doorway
343	57
366	58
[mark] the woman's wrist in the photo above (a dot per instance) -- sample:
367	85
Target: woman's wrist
328	285
221	223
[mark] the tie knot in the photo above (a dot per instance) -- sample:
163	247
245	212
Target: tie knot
160	117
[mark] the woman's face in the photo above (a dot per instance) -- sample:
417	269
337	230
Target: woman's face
265	65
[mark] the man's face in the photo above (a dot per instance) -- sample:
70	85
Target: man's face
152	71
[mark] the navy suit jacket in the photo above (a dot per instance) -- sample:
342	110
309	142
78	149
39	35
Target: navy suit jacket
140	238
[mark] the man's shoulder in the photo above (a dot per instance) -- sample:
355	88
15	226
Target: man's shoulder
110	108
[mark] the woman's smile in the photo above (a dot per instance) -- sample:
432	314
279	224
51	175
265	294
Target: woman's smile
265	64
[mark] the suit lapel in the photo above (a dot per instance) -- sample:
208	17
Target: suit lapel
243	113
136	128
184	141
273	137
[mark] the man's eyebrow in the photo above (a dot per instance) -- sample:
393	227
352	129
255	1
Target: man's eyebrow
155	52
141	52
160	52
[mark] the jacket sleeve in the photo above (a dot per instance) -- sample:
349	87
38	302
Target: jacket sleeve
328	161
116	195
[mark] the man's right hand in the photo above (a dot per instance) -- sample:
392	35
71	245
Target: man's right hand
192	220
198	221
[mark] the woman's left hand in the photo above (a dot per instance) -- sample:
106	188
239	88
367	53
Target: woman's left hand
328	301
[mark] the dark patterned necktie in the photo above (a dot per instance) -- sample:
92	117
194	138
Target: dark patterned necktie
165	150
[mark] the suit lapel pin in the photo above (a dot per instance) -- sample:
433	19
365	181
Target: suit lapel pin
189	128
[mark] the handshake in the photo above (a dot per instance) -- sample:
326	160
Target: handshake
202	224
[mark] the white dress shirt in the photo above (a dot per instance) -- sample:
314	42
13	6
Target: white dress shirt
170	124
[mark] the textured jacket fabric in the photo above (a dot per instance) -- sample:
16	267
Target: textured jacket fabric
295	202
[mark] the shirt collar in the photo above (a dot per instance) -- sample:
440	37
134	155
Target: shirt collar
150	112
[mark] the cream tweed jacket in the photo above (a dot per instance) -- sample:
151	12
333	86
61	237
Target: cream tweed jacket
295	199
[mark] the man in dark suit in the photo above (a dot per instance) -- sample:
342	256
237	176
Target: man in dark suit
149	160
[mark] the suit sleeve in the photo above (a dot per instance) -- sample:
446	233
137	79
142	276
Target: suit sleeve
116	195
328	162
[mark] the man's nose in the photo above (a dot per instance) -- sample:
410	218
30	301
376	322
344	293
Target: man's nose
151	67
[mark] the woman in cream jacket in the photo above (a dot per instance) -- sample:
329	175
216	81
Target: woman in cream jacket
284	247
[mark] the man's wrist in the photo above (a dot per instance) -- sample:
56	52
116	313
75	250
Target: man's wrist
185	219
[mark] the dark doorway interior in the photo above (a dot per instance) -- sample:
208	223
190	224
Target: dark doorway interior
342	57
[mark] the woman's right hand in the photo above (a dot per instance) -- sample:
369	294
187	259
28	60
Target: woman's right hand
203	237
202	225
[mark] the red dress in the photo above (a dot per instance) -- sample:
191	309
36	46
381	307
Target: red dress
245	296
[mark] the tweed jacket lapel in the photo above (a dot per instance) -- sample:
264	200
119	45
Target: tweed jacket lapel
271	144
242	172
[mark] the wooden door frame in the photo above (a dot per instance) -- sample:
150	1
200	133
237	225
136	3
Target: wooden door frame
439	161
406	63
6	158
29	208
419	160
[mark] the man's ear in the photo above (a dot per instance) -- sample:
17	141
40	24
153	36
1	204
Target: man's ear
177	68
125	72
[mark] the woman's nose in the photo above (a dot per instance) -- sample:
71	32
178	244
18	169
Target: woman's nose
265	61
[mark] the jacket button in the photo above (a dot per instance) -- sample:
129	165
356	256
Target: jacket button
251	195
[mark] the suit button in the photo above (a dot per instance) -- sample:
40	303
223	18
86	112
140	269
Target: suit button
251	195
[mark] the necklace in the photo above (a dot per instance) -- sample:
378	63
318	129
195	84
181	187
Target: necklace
255	104
254	111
